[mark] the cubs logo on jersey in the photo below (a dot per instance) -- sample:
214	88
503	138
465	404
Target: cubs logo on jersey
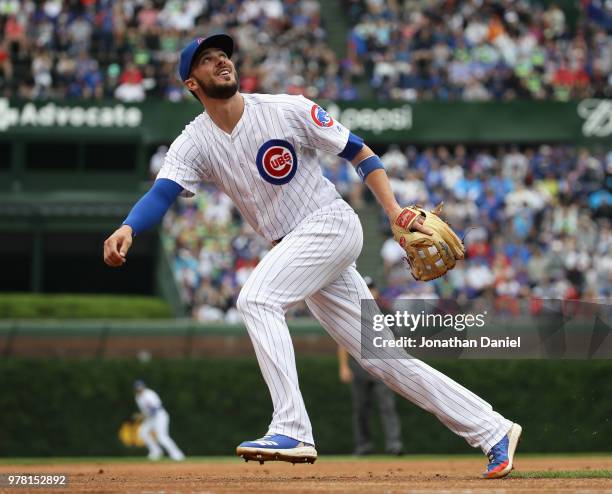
321	117
276	161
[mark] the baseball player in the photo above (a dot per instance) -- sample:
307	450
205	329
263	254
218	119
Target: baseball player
260	150
155	420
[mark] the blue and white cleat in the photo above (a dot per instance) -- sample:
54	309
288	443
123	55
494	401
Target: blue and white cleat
502	454
276	447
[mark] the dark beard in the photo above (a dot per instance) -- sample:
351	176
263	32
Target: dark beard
218	91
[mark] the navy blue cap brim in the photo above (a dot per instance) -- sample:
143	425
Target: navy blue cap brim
222	41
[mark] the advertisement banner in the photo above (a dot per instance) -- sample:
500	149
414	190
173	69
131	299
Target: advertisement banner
580	122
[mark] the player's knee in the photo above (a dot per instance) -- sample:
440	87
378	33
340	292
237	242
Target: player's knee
250	301
244	301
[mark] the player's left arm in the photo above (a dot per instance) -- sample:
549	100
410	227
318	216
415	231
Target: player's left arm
370	169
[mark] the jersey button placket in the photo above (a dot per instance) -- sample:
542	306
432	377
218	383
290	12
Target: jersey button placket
250	198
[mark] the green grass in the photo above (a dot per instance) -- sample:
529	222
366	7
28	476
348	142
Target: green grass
228	459
79	306
564	474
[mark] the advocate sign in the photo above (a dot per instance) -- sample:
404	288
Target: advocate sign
54	115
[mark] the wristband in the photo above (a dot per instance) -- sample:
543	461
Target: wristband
368	165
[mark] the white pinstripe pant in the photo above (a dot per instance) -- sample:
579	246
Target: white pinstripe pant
316	263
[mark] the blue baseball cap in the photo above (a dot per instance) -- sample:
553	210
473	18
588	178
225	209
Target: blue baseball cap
222	41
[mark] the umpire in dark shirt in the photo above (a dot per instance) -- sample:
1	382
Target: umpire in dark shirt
366	389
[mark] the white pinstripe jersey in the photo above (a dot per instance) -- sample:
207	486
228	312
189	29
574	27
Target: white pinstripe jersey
267	166
148	402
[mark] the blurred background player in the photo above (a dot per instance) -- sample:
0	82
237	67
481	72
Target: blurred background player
365	390
156	420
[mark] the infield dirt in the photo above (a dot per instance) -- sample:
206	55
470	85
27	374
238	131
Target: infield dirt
398	475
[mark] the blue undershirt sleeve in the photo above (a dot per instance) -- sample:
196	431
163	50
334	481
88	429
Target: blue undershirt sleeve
151	207
353	146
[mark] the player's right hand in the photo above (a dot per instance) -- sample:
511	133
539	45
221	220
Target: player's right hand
117	245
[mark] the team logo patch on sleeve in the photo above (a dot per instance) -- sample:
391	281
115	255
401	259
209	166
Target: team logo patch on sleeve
276	161
321	117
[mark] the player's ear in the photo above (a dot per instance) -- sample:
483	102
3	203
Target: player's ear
191	84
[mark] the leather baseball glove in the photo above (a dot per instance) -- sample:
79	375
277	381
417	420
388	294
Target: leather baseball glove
429	256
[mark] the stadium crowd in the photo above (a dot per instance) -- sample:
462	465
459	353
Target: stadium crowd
480	50
406	50
128	49
535	222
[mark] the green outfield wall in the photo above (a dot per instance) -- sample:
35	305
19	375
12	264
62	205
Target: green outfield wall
75	407
381	122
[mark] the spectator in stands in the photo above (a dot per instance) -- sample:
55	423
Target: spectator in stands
131	88
15	33
6	66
